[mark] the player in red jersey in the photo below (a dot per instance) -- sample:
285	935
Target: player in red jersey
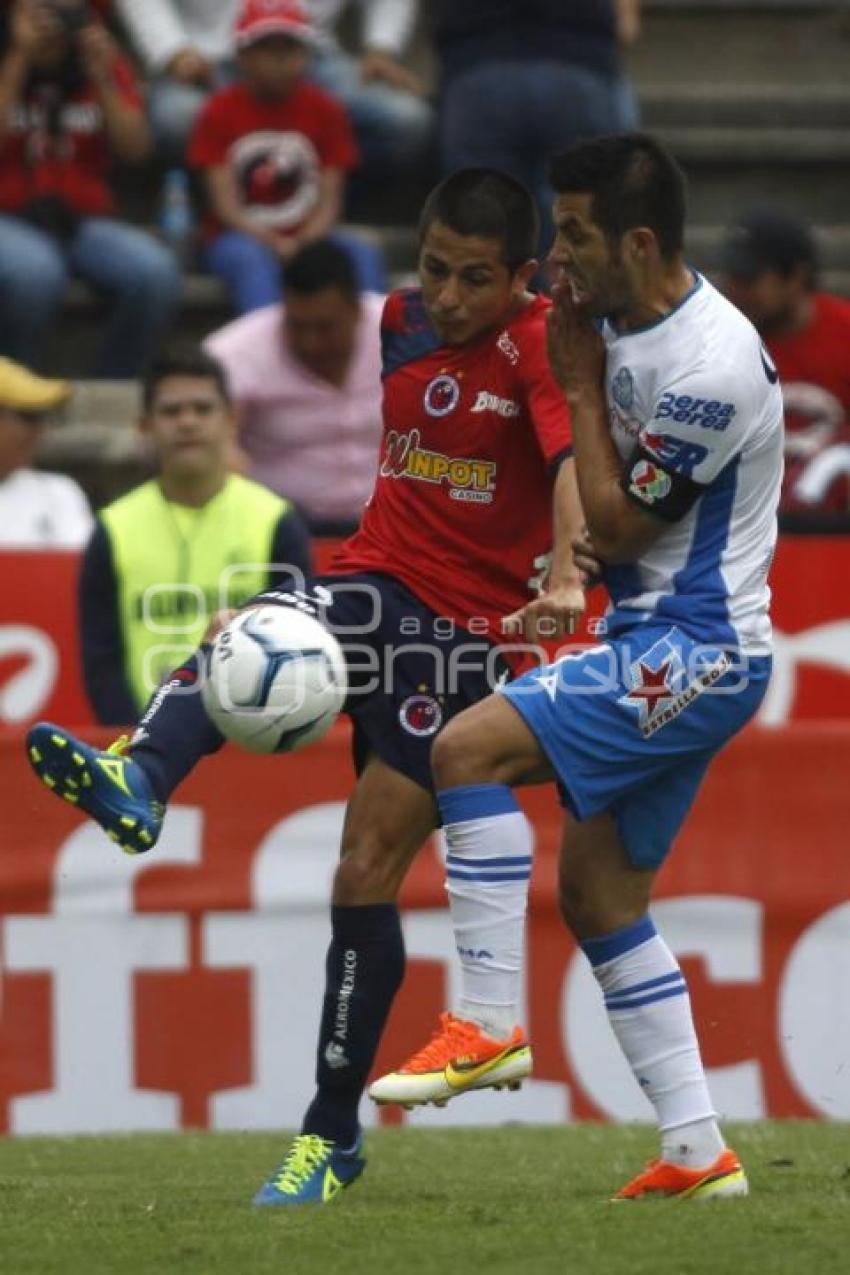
454	516
475	459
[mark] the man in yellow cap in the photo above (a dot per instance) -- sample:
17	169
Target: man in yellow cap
37	510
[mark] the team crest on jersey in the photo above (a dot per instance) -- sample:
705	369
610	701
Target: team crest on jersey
442	395
649	483
421	715
623	389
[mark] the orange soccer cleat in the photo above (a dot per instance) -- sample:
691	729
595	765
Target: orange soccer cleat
458	1057
661	1180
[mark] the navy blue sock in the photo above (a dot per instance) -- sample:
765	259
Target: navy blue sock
174	732
364	970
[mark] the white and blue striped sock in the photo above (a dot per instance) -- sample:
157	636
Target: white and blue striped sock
488	869
649	1010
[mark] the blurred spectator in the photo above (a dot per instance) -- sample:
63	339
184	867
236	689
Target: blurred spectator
522	81
274	150
165	558
392	117
69	105
37	510
306	381
187	46
770	268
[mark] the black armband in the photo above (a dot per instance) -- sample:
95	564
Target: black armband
662	492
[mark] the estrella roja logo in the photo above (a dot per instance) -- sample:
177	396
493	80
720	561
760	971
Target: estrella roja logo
467	478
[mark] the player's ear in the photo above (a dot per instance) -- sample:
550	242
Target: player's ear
640	244
525	274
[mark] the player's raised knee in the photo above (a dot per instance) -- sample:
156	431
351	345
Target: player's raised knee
462	754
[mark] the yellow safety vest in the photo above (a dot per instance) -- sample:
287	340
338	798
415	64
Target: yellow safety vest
176	567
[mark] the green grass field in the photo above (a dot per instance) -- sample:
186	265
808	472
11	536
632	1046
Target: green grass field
513	1200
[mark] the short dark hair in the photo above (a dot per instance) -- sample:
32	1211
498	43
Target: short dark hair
490	204
319	265
186	360
634	181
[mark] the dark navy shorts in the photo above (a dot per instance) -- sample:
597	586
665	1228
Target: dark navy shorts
409	670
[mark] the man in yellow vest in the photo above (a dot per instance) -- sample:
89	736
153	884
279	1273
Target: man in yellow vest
173	552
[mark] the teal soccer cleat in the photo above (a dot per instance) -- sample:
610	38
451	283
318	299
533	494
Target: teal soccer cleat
107	785
314	1172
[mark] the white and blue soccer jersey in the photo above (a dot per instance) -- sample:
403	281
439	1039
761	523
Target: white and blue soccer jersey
696	415
630	725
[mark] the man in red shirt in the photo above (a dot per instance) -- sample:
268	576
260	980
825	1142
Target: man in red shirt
69	106
274	150
770	264
474	472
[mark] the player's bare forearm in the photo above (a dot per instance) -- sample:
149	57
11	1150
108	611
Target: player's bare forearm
561	604
568	523
620	532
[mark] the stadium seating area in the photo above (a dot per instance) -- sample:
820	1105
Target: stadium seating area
752	95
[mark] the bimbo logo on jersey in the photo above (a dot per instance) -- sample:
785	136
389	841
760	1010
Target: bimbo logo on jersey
487	402
442	395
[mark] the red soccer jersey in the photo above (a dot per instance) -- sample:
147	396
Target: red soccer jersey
462	508
814	368
276	150
56	145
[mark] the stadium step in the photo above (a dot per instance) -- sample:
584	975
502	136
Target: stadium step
751	106
732	41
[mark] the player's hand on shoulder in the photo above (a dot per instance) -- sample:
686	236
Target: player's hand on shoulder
554	613
575	346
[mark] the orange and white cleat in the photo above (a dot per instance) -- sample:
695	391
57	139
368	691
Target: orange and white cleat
459	1057
722	1180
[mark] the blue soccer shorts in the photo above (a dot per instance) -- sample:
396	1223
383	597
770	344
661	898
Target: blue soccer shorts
631	725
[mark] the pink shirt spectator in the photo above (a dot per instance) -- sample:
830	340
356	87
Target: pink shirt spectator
306	438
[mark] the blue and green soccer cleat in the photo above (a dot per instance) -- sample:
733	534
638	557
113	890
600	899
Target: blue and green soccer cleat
314	1172
107	785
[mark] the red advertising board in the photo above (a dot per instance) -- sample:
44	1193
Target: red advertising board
40	666
182	988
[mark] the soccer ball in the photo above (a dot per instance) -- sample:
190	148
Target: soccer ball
275	680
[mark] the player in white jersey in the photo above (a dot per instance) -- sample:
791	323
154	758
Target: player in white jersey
677	421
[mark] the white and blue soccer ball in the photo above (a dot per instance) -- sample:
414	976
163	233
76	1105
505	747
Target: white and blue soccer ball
276	680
